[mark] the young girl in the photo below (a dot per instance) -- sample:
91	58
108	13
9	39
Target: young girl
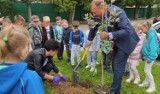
149	54
15	78
134	57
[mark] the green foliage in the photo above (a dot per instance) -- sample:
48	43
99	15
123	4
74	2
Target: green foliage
86	76
6	7
65	5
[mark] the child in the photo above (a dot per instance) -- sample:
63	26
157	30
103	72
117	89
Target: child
35	31
93	50
67	30
19	20
149	55
47	29
40	60
15	78
76	40
135	56
58	33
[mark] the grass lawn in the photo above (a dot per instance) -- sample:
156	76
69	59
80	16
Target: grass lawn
86	76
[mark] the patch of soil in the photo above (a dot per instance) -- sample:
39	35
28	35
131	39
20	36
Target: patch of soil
69	88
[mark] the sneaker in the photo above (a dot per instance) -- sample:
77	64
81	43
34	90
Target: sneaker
88	66
97	63
129	79
150	90
143	85
92	68
136	81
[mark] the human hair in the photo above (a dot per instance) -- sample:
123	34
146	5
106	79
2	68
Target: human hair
99	3
137	26
13	39
146	24
64	21
46	19
75	23
18	19
58	18
6	19
51	44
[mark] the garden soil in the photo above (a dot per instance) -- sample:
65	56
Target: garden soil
69	88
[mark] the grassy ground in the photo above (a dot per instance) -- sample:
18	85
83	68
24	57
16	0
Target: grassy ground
86	76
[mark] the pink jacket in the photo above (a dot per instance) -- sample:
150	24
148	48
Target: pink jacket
136	54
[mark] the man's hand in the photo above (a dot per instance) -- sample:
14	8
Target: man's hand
104	35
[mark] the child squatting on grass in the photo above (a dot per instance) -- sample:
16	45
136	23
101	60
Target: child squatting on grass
135	56
15	78
149	54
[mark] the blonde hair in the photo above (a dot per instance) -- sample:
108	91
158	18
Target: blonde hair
19	18
46	19
6	19
13	39
137	25
146	24
64	21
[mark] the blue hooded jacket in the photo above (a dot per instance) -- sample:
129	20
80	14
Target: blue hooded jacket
16	79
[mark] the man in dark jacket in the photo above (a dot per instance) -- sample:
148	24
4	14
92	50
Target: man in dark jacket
40	60
67	31
123	35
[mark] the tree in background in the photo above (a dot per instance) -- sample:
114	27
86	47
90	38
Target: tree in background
6	7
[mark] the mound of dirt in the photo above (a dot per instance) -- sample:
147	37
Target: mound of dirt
69	88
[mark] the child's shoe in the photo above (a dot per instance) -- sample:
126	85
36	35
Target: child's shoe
136	81
92	68
143	84
129	79
97	63
151	89
88	66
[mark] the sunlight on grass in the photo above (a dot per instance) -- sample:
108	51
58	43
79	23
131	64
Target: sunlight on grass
85	75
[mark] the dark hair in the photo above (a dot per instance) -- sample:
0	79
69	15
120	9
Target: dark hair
51	45
58	18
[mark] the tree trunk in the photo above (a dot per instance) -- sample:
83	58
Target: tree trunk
71	16
29	10
149	11
136	12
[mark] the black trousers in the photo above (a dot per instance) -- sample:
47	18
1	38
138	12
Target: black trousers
60	51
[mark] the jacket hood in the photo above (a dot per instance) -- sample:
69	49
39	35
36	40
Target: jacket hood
10	76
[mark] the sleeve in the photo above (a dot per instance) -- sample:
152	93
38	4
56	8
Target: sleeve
98	42
82	36
38	65
55	69
92	32
30	29
70	40
153	53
